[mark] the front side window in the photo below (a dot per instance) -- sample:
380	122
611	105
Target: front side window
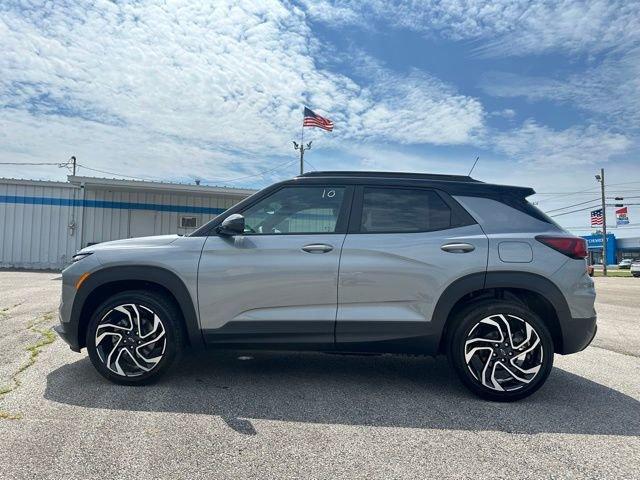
296	210
396	210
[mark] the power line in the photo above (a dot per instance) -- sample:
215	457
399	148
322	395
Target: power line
111	173
202	180
255	174
65	164
570	206
573	211
583	192
310	164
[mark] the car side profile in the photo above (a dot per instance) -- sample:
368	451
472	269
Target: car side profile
625	264
345	262
635	268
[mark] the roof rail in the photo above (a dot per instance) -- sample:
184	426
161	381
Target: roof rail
420	176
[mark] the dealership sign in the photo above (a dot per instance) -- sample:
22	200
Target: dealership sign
594	242
622	216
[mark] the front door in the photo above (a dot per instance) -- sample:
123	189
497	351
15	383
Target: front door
404	247
277	283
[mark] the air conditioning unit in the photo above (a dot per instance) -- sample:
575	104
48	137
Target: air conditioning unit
188	222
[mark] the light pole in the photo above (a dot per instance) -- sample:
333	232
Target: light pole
302	147
600	178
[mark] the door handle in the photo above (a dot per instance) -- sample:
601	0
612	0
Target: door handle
317	248
458	247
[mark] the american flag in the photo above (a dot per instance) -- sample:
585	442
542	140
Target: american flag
596	218
312	119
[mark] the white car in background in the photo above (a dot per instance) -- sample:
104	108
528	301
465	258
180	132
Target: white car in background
635	268
624	264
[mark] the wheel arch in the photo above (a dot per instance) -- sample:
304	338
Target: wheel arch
529	289
106	282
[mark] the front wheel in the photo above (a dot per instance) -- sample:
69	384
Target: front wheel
500	350
133	337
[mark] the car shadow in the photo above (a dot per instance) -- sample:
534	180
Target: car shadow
387	391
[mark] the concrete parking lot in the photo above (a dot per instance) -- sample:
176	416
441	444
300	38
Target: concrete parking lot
267	415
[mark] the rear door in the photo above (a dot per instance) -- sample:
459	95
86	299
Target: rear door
277	283
404	247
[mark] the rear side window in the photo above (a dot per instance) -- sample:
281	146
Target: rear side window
524	206
401	210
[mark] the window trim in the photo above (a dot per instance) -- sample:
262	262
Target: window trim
459	216
343	216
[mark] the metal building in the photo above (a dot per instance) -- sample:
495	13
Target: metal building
42	224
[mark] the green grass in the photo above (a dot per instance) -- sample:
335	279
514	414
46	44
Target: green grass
46	337
10	416
613	273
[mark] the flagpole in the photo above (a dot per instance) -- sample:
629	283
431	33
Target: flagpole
302	146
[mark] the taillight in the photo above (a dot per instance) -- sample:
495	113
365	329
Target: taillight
573	247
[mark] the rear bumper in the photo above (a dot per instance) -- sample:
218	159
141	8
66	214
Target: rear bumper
577	334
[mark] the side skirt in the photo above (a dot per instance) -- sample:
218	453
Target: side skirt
272	335
350	336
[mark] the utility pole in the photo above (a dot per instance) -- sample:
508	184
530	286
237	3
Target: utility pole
302	147
73	162
600	178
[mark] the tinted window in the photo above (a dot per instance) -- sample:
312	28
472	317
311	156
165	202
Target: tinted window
403	210
296	210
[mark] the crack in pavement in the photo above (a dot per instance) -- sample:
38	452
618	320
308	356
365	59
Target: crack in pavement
47	336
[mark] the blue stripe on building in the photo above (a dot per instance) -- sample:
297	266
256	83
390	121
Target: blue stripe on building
70	202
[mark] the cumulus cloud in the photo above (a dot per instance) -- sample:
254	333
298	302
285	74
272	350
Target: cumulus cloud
610	88
507	113
506	27
542	146
206	80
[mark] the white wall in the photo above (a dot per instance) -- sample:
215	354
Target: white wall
103	224
34	234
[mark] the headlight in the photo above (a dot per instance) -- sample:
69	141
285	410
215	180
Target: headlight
79	256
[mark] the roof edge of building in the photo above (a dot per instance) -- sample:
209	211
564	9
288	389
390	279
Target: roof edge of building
152	185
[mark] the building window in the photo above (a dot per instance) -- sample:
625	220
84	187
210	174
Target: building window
188	222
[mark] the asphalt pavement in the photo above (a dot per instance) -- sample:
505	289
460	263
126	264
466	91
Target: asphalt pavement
277	415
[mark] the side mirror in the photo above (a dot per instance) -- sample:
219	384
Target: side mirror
232	225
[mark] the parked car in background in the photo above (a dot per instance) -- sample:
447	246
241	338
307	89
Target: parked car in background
345	262
635	268
625	264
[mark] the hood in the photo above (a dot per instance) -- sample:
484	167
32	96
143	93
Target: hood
140	242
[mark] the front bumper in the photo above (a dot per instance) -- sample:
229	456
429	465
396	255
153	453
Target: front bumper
68	328
71	337
577	334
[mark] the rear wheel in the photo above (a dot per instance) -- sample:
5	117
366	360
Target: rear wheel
134	337
501	351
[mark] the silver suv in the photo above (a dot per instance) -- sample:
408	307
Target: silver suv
345	262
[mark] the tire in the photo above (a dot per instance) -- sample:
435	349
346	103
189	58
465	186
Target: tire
487	370
125	353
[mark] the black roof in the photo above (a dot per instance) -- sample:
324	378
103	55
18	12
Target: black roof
411	175
454	184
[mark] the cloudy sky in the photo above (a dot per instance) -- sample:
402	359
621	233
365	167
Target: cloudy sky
546	93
